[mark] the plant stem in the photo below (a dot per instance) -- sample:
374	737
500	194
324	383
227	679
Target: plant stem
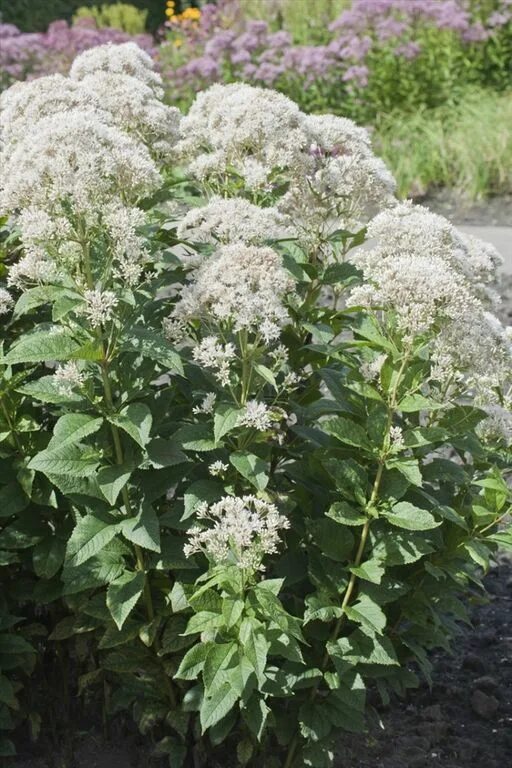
362	544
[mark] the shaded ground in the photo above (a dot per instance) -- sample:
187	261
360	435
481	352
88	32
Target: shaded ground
465	721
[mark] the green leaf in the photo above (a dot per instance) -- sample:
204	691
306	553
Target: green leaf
217	706
136	420
164	453
225	419
90	535
232	610
251	467
367	613
347	432
371	570
143	530
266	374
193	662
72	428
14	644
314	725
408	467
255	647
406	515
12	499
350	478
202	621
123	594
195	437
48	556
414	403
69	460
47	390
218	658
40	347
112	480
334	540
154	346
342	512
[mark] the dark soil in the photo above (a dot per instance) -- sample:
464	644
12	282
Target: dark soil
464	721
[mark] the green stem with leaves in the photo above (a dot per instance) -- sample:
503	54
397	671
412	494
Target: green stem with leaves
370	506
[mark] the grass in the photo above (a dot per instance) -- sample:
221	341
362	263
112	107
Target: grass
467	146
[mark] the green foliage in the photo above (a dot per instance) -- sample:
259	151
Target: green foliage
433	148
118	15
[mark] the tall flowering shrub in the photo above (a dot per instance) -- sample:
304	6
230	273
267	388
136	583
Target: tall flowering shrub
263	463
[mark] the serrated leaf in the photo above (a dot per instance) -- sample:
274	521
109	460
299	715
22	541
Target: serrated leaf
69	460
193	662
195	437
143	530
40	347
164	453
154	346
217	659
255	647
314	725
112	480
225	419
406	515
342	512
90	535
136	420
214	708
347	432
414	403
251	467
371	570
123	594
72	428
334	540
367	613
232	609
48	390
48	556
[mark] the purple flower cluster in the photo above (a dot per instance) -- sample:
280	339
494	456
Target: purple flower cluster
248	50
26	55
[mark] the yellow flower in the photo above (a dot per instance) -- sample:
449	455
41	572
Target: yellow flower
178	42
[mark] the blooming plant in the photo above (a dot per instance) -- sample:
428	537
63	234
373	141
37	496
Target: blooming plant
250	467
376	56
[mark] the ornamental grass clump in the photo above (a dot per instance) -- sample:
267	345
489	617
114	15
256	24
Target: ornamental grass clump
250	469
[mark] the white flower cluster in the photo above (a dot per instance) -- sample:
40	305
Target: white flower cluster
78	153
497	426
6	301
232	220
242	285
340	182
124	59
99	307
259	136
256	415
244	530
433	278
68	376
211	353
251	132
